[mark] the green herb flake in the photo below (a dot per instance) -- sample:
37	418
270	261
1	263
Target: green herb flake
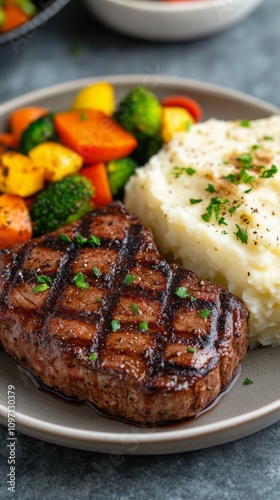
193	201
135	308
245	123
248	191
115	324
224	232
99	299
178	171
83	117
191	349
80	281
222	222
269	173
182	293
210	188
97	272
129	279
65	238
94	241
268	138
225	162
44	279
144	326
214	208
204	313
246	178
93	357
40	288
255	146
241	234
246	160
248	381
80	240
231	178
234	208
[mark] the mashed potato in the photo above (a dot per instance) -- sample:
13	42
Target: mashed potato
212	198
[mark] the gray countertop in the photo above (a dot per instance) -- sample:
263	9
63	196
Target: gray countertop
246	58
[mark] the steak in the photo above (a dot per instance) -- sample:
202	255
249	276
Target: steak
114	324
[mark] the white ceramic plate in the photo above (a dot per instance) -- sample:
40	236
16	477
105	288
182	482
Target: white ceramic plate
242	411
171	21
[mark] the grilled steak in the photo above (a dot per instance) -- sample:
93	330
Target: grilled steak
137	337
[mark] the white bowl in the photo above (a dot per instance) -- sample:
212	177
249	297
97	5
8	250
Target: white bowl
170	21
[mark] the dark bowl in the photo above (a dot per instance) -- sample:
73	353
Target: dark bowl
46	10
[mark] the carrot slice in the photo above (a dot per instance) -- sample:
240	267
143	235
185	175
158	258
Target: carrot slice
14	17
182	101
21	119
97	174
15	222
93	135
7	140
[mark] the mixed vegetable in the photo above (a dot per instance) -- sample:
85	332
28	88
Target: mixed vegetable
55	167
14	13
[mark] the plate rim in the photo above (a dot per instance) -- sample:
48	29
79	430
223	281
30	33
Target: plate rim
161	81
78	437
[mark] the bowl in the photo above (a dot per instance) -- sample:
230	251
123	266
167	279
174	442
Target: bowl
44	14
171	21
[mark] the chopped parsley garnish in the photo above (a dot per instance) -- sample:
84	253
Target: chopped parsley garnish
247	381
115	324
182	293
129	279
94	241
255	146
241	234
66	238
83	117
40	288
210	188
177	171
135	308
231	178
269	173
225	162
268	138
246	160
224	232
204	313
93	357
246	178
222	222
234	208
80	281
245	123
97	271
193	201
214	208
144	325
80	240
248	191
99	299
44	281
191	349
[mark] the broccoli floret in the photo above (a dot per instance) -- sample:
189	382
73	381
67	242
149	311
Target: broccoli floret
139	110
119	172
39	131
147	147
61	203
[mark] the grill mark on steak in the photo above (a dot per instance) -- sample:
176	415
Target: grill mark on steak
142	376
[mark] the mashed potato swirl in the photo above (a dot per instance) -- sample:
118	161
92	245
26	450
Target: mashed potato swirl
212	199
